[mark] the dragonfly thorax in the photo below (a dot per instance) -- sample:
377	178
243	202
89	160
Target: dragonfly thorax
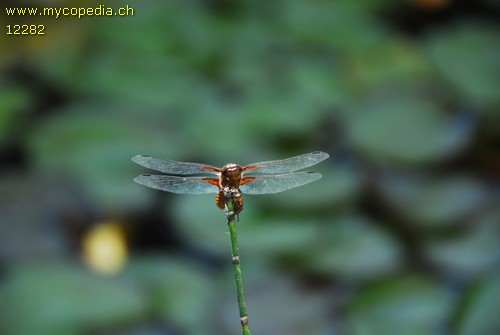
230	176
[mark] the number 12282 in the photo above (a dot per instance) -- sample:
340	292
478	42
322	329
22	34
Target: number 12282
25	29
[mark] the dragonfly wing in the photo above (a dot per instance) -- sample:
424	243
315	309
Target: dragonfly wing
288	164
173	167
266	184
177	184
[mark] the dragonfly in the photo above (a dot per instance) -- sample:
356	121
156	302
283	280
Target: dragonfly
232	180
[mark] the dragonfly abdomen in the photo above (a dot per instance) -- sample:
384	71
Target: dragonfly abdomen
230	194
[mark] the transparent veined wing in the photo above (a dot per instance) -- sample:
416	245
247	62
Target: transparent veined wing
177	184
288	164
173	167
266	184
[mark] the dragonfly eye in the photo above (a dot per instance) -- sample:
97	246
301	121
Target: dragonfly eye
232	168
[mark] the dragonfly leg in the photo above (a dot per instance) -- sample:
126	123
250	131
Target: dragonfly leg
220	200
238	202
230	194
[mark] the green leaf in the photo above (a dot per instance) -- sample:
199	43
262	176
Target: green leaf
410	306
178	292
354	248
471	253
94	144
468	56
338	186
326	25
269	238
403	128
434	202
480	316
13	102
59	298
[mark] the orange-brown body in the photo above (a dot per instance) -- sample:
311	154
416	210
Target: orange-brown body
229	186
229	183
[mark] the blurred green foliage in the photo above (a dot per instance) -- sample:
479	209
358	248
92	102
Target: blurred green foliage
401	236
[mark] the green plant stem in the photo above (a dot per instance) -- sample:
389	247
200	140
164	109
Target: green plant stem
242	305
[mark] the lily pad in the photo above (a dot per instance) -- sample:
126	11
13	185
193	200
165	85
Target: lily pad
60	298
435	202
410	306
338	186
404	129
475	251
468	56
94	146
178	292
480	315
354	248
